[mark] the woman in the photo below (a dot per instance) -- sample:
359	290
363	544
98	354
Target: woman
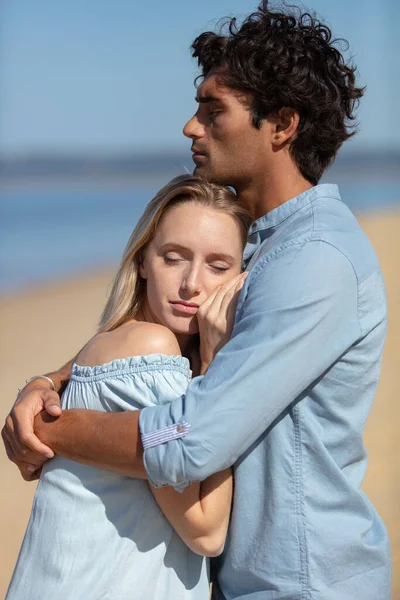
97	535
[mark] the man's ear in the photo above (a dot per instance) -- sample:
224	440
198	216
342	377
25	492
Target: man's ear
285	123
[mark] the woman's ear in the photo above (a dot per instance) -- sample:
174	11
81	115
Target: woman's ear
142	267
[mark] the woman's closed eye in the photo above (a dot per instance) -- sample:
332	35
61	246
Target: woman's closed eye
172	258
219	268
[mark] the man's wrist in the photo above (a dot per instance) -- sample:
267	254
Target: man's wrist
104	440
45	428
58	432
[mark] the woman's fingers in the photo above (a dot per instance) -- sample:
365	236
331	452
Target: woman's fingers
214	301
216	317
52	403
230	298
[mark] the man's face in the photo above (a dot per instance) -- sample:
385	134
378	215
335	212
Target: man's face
227	148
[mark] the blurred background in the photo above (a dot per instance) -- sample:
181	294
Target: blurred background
93	99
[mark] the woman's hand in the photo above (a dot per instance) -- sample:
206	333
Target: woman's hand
216	317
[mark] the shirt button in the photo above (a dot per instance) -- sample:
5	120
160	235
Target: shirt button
180	428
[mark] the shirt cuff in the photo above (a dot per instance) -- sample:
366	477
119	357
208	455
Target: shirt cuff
164	435
162	441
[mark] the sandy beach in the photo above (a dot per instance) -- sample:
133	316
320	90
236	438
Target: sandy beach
42	328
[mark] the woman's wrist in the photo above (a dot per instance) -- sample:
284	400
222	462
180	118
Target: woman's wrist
58	378
37	378
205	362
37	382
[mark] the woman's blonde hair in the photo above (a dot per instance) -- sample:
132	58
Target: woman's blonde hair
129	289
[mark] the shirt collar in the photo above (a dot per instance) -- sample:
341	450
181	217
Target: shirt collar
288	208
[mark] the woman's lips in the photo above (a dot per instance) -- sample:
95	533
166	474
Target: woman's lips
187	309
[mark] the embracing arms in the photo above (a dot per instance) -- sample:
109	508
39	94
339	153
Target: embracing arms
98	439
297	316
200	514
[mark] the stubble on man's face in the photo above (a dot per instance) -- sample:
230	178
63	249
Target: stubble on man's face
225	144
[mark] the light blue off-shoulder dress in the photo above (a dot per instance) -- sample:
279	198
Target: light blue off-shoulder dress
95	535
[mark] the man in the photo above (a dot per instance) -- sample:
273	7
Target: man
286	400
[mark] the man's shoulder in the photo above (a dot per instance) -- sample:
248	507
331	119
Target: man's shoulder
336	225
325	222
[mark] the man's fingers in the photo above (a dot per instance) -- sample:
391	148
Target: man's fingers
32	442
28	471
8	436
27	474
23	427
20	455
37	473
9	451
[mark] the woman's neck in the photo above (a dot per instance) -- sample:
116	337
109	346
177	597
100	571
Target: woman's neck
188	343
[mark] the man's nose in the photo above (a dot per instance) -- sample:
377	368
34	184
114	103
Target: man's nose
193	128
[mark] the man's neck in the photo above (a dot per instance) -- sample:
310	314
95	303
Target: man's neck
262	195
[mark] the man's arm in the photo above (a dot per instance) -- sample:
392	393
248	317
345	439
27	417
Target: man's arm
110	441
200	515
298	317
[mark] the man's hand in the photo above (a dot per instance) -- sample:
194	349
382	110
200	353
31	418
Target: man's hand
23	447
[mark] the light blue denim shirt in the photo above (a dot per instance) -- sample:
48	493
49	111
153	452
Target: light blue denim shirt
285	402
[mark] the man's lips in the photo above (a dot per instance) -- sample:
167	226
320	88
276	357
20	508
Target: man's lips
197	154
187	308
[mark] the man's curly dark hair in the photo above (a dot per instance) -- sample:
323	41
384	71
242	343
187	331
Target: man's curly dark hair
288	59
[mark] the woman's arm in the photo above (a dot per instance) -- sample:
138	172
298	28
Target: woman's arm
200	514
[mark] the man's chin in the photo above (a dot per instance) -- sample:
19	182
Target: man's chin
198	170
202	171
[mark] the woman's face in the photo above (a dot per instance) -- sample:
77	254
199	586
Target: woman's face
195	250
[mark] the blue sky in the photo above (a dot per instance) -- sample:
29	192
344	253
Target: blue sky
104	76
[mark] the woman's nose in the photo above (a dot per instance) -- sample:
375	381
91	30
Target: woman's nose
191	282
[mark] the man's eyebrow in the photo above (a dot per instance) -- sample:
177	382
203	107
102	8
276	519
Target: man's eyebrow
206	99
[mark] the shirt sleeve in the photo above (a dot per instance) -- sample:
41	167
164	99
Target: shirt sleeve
296	316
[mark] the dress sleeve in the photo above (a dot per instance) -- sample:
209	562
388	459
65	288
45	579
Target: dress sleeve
153	380
297	315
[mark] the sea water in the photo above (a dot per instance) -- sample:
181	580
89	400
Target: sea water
48	233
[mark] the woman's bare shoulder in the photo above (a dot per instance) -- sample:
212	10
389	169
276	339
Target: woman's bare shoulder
136	338
152	338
